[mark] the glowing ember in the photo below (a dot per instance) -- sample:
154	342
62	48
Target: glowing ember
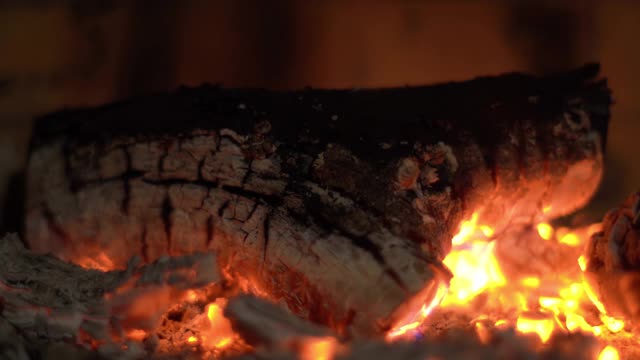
98	262
192	340
136	334
570	239
545	231
614	325
582	262
609	353
576	323
318	349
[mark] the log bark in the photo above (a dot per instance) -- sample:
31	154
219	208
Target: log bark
339	202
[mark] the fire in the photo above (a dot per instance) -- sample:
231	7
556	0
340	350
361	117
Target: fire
476	270
540	306
467	228
217	333
417	320
403	329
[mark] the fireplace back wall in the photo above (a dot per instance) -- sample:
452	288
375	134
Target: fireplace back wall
89	52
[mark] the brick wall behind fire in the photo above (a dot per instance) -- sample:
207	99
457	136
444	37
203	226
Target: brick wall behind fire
87	52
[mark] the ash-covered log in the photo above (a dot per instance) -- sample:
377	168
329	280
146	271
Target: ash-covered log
339	202
49	300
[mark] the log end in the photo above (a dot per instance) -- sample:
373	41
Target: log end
613	260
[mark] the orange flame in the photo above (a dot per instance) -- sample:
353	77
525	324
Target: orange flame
414	322
476	270
467	228
218	333
98	262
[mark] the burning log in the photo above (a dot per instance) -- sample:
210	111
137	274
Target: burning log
613	261
45	297
341	203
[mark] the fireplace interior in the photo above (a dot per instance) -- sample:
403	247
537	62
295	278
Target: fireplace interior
183	193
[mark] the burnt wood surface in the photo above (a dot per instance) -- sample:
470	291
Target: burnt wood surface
340	203
613	262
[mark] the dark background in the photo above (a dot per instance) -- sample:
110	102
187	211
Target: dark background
86	52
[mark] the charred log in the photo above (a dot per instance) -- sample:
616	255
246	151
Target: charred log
613	261
339	202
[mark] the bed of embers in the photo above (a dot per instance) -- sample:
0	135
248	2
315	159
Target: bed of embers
528	293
